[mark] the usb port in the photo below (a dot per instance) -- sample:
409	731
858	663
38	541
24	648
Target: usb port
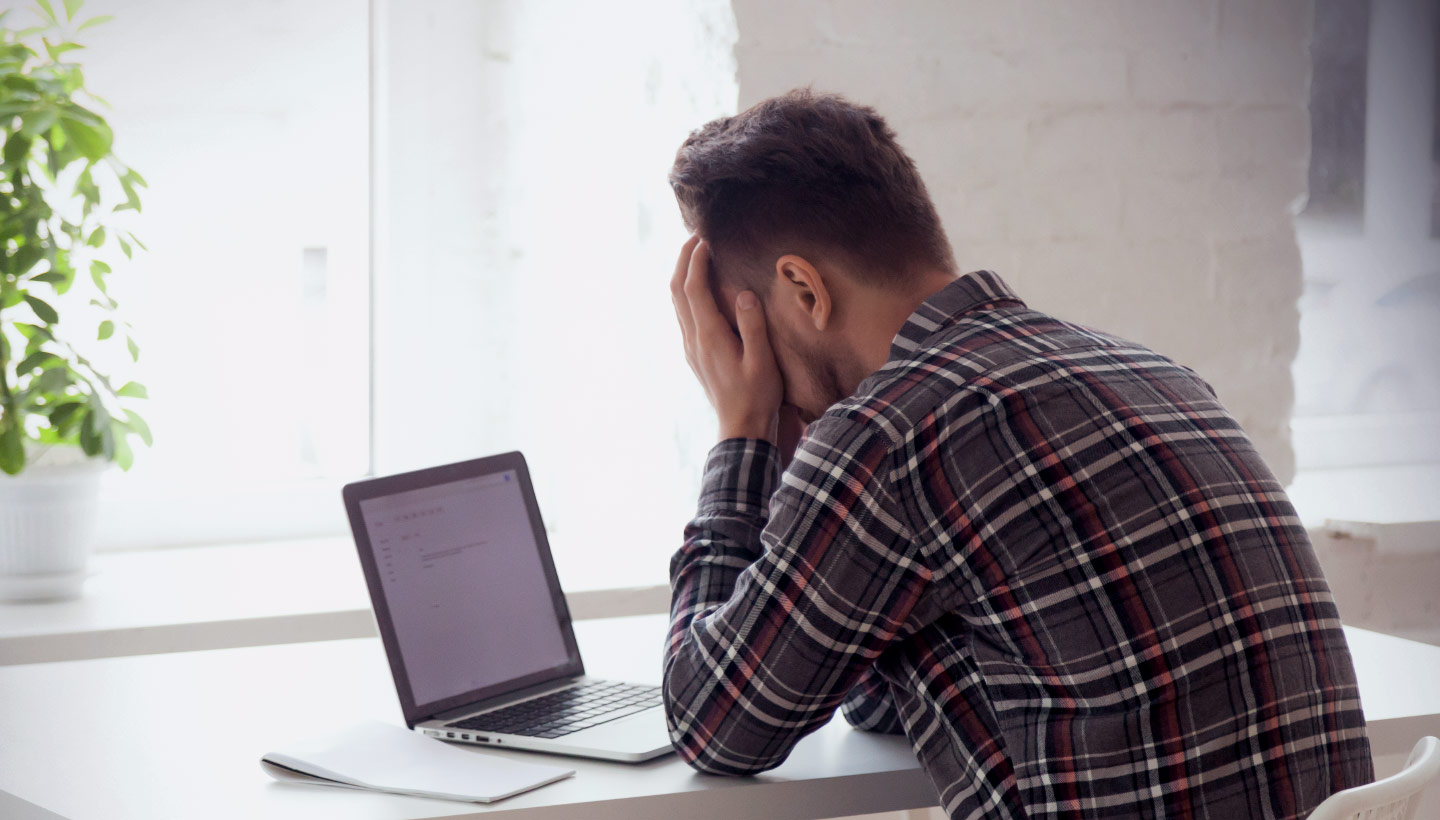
482	738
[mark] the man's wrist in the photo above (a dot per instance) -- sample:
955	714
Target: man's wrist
740	474
750	428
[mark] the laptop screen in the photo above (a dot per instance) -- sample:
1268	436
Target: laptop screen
468	587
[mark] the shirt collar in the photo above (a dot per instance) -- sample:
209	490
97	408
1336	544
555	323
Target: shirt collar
969	292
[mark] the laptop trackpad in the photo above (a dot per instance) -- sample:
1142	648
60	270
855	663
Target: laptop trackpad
639	733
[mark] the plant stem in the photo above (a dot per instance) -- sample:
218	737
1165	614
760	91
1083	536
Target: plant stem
12	416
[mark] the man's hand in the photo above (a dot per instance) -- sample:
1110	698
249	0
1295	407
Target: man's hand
739	375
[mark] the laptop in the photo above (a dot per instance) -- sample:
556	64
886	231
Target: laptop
474	623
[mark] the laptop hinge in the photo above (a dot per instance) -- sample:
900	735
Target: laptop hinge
503	700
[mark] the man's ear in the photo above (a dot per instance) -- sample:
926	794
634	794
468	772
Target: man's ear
799	280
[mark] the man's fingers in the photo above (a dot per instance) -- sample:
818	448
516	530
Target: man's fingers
754	336
677	287
677	281
703	311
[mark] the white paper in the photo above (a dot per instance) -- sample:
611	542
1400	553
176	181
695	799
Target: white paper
378	756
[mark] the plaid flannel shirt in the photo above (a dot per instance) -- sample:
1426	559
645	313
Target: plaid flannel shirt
1047	555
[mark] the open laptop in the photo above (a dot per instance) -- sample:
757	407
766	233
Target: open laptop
474	622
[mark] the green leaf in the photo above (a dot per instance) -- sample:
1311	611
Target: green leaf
42	309
37	122
98	420
95	21
97	275
34	360
56	51
124	246
124	456
97	238
80	113
53	381
128	181
49	12
140	427
16	149
25	258
60	414
133	390
134	349
72	6
107	329
85	186
12	448
49	277
93	140
107	441
89	439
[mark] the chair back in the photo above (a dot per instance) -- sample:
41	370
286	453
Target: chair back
1395	798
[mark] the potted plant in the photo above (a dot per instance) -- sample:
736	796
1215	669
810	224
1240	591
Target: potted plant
62	418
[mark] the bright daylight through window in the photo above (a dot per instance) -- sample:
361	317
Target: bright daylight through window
1367	388
515	157
251	302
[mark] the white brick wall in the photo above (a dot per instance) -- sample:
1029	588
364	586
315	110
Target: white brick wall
1129	164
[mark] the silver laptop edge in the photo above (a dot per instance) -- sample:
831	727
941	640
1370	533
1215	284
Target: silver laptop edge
458	565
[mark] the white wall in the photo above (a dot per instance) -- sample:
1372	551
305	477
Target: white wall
1129	164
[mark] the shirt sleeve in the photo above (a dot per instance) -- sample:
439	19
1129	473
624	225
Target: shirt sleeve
778	611
871	707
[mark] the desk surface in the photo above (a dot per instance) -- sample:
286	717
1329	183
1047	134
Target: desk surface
180	735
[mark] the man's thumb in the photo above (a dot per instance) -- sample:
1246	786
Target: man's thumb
750	319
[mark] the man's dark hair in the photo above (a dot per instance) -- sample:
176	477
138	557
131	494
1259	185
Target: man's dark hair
813	174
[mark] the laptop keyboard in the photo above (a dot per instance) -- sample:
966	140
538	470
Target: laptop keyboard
569	710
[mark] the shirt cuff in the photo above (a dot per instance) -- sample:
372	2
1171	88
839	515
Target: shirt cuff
740	475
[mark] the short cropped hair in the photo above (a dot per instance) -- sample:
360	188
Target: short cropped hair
813	174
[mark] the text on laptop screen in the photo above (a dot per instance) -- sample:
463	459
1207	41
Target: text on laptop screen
467	593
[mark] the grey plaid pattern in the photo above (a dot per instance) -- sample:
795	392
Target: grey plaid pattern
1047	555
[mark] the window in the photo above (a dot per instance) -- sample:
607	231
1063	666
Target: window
525	234
1367	380
385	236
251	303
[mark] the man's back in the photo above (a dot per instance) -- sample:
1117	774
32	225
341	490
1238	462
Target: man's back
1143	613
1064	569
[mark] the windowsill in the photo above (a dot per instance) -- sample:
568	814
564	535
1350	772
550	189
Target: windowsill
1395	494
171	600
212	597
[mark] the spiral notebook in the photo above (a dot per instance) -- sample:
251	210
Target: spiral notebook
381	757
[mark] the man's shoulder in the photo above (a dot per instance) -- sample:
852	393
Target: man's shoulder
950	368
959	372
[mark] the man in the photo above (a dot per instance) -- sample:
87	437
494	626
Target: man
1045	554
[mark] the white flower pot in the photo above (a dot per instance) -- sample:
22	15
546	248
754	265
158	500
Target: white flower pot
47	527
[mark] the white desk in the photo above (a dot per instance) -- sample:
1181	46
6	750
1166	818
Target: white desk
179	735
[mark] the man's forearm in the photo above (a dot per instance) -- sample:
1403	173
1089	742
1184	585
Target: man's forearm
871	707
724	537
